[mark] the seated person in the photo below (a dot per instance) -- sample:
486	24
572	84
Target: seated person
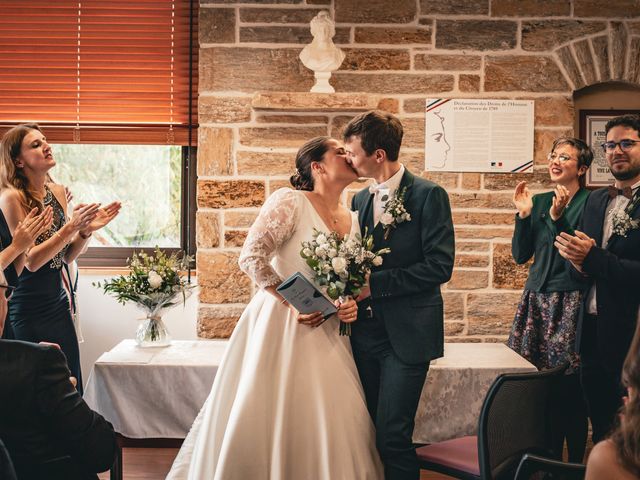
46	426
618	457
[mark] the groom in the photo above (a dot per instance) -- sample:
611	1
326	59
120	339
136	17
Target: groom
400	316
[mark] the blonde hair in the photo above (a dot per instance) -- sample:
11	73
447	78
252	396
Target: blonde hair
12	176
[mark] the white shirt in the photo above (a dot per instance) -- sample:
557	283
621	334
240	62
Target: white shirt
617	204
383	192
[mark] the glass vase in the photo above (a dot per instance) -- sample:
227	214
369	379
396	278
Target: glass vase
152	332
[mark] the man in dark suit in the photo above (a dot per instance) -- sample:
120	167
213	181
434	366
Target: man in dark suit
400	316
48	429
606	251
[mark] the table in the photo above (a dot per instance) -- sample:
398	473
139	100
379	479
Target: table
156	393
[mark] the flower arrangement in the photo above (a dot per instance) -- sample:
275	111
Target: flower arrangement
341	265
153	284
621	220
394	212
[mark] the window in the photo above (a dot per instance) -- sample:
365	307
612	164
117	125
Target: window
112	84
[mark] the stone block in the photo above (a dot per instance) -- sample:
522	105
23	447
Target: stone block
471	181
239	218
530	8
392	83
600	8
413	160
217	321
413	133
320	102
361	59
234	238
277	15
454	7
469	83
220	278
279	137
553	111
489	233
507	273
468	279
447	180
207	229
481	200
215	146
537	180
394	36
473	261
230	193
337	125
619	47
601	52
295	119
375	11
453	306
276	34
571	66
586	62
542	143
471	246
523	73
244	69
453	63
453	329
413	105
277	184
482	218
633	71
223	109
217	25
545	35
391	105
491	313
265	163
476	34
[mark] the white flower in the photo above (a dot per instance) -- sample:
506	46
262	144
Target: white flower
332	252
406	217
321	239
307	252
377	261
321	252
155	280
386	218
339	264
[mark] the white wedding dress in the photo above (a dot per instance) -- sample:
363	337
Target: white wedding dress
286	403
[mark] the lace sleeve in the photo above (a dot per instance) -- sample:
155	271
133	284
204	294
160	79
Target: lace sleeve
274	226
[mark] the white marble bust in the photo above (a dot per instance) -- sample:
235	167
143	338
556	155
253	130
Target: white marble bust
321	55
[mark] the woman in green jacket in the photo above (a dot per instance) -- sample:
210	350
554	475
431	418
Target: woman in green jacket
544	327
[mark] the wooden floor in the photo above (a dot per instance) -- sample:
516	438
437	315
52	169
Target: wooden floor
154	463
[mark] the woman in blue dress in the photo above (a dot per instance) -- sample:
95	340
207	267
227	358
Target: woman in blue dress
39	309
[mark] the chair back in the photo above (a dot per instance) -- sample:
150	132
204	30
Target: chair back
7	471
532	467
514	420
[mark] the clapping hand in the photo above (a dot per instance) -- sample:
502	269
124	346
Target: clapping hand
522	200
83	214
574	247
559	202
103	217
31	227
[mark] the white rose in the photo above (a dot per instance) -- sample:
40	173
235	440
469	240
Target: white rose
155	280
339	264
386	218
332	252
377	261
326	268
321	239
307	252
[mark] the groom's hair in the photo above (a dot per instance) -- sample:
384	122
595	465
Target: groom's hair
377	130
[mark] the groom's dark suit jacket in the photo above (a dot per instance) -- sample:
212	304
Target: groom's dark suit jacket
405	289
615	270
48	429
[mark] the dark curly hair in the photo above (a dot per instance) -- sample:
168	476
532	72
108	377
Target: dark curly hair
312	151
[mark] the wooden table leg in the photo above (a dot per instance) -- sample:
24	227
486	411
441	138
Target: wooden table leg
116	469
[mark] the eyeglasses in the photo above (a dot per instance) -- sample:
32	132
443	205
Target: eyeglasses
8	290
563	157
625	145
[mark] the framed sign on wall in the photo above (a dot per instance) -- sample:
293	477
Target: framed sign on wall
592	123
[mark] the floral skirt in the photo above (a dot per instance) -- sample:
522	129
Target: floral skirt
544	328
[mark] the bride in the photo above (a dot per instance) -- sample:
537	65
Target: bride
287	403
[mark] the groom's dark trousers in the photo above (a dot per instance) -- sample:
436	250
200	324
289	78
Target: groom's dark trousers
400	328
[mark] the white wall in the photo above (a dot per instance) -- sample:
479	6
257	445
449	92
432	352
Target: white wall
105	322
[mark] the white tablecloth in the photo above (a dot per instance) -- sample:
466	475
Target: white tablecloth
157	393
154	392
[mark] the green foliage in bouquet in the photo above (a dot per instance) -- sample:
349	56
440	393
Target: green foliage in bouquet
153	283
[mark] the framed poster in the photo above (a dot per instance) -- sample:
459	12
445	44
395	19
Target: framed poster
592	123
478	135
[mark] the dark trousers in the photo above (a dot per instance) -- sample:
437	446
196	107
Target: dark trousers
601	384
569	418
392	389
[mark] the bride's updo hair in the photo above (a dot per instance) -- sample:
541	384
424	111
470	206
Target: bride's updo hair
312	151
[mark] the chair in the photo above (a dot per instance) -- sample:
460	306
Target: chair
532	465
7	471
514	420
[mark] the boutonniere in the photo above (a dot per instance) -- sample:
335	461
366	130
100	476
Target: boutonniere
394	212
621	220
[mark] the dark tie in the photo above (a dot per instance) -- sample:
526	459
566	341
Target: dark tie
625	192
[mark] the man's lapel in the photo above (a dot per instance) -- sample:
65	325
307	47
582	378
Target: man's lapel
365	214
405	182
598	219
634	214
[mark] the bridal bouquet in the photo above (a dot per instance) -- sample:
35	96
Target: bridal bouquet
153	284
341	265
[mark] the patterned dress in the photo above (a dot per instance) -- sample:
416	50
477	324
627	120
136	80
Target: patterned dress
39	309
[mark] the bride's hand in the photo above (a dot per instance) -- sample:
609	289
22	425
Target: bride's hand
311	319
347	310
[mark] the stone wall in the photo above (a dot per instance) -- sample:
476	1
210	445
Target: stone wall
254	113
